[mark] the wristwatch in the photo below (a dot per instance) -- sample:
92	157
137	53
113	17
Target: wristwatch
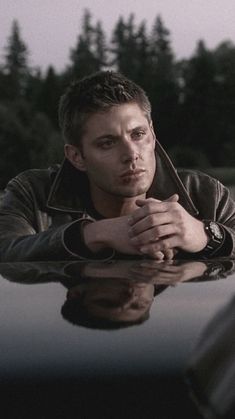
215	234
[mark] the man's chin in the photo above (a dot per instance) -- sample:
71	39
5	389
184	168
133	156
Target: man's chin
132	192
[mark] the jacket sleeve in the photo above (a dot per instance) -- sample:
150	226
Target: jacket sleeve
225	215
25	235
218	205
213	202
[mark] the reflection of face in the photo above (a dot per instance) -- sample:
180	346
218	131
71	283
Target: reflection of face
118	152
117	301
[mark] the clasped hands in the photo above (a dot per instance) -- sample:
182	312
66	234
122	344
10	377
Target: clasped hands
159	228
156	229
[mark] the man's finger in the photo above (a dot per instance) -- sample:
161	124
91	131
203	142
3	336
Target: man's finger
151	205
142	202
172	198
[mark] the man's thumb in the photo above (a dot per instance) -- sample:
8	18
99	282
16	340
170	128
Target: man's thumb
173	198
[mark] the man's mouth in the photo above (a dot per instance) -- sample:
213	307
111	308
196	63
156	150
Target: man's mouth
133	173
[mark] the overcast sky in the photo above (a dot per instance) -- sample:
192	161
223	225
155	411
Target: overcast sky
50	27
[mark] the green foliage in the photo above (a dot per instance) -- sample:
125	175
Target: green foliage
89	54
130	48
47	144
13	149
163	85
48	95
27	140
16	60
188	157
193	100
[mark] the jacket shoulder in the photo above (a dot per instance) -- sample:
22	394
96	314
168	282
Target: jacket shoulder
208	193
33	182
196	178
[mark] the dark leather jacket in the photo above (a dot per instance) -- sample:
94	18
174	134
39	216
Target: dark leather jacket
41	210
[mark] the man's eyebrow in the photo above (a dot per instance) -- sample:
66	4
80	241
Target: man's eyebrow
143	126
104	136
116	137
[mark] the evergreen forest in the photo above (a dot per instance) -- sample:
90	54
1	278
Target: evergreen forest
193	99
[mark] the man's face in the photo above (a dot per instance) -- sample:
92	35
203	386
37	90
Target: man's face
118	152
114	299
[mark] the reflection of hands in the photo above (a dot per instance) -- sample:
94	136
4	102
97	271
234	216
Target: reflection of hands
163	225
169	273
160	272
112	269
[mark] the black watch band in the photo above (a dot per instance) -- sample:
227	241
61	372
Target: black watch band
216	236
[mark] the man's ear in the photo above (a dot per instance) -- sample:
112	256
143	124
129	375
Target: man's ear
74	155
153	132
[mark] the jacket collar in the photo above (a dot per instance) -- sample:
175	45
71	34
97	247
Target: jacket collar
70	186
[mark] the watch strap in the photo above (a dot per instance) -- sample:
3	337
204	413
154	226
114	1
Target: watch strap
216	236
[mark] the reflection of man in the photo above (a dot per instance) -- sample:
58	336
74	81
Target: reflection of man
116	192
108	303
117	293
120	294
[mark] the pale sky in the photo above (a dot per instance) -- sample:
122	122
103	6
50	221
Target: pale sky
50	27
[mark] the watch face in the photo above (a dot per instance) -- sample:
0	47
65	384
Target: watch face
216	231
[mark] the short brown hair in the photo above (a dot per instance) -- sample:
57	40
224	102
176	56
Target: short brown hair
96	93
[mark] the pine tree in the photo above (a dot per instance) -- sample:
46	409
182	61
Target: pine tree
199	93
89	55
130	50
163	87
124	47
48	97
142	56
224	103
16	63
101	49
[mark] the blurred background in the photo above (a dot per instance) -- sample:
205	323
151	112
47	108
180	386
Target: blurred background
182	53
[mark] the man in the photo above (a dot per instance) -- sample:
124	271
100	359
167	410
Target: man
120	293
117	193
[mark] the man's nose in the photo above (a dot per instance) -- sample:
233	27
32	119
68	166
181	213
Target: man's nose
129	151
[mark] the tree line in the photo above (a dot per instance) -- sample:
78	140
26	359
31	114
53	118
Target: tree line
193	99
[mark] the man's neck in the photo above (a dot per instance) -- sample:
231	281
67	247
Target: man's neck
115	206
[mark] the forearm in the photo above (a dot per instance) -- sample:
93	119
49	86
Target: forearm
225	216
47	245
86	239
27	234
99	235
19	241
109	234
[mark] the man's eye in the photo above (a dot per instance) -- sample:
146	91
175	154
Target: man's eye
138	134
106	144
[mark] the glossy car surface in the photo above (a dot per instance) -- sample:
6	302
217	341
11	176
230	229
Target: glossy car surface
121	339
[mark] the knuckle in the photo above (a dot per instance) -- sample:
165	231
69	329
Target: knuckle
156	254
175	206
165	245
151	220
148	209
169	254
176	209
159	255
183	232
157	231
132	231
151	200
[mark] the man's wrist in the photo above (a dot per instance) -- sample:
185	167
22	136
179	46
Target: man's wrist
215	238
95	236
